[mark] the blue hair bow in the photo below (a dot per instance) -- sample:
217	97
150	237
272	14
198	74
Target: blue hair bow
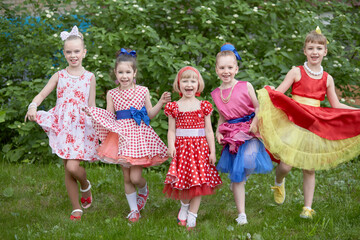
229	47
123	51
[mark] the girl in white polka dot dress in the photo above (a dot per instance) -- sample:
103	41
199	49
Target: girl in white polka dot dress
191	144
124	130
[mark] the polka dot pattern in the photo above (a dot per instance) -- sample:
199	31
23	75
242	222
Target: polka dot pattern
190	173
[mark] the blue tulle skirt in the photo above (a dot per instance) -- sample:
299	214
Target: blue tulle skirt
250	158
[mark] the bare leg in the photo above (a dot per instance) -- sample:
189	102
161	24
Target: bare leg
136	176
239	195
194	204
129	187
73	173
308	187
281	171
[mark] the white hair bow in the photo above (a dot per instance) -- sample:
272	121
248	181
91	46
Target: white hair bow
74	32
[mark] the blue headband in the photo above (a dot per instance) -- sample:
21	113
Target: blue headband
123	51
229	47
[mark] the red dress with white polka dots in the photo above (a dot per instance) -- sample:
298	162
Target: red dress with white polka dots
124	141
190	173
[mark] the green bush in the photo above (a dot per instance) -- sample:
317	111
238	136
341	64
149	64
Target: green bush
167	35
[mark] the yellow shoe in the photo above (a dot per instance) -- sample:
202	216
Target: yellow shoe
279	193
306	213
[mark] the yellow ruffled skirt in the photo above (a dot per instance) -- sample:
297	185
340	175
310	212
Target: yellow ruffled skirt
297	146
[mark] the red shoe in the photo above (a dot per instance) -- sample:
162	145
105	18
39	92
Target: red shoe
76	218
86	200
134	216
141	199
179	221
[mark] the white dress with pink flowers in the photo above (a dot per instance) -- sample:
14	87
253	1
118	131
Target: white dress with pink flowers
70	131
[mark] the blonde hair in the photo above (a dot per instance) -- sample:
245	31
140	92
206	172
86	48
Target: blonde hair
225	53
74	37
315	37
189	73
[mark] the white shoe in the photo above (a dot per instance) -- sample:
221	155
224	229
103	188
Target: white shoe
241	220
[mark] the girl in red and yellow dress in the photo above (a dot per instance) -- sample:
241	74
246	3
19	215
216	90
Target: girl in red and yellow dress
299	132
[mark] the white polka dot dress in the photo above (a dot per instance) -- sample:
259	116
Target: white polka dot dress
190	173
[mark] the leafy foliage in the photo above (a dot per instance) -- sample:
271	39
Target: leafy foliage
166	35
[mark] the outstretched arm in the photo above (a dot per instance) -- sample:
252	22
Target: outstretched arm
210	139
171	137
109	103
49	87
331	94
292	76
153	111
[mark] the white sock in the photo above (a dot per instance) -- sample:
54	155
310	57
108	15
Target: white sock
183	211
308	207
143	191
278	184
131	198
191	219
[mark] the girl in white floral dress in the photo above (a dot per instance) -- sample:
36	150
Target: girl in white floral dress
71	134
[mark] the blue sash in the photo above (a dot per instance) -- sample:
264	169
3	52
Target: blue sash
137	115
242	119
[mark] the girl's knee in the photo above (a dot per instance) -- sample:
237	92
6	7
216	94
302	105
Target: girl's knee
308	172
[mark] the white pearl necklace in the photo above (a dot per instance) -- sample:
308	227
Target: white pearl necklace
311	71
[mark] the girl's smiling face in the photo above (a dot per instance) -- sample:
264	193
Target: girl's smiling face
315	53
189	86
226	68
74	52
125	74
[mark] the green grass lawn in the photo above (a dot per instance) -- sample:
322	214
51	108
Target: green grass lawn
34	205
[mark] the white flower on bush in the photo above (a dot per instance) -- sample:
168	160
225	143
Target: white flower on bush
158	46
55	35
235	15
114	0
289	49
95	56
100	75
208	21
169	18
143	31
335	65
233	22
48	15
244	51
177	22
135	6
352	100
342	47
277	48
96	14
251	66
342	99
42	143
356	70
100	61
325	58
141	9
255	9
76	10
177	30
99	46
182	11
273	4
293	36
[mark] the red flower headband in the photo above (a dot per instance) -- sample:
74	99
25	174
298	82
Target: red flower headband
185	69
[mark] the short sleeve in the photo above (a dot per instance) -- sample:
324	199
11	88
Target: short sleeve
206	107
171	109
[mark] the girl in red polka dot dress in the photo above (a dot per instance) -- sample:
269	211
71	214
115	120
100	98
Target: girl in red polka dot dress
124	130
191	145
